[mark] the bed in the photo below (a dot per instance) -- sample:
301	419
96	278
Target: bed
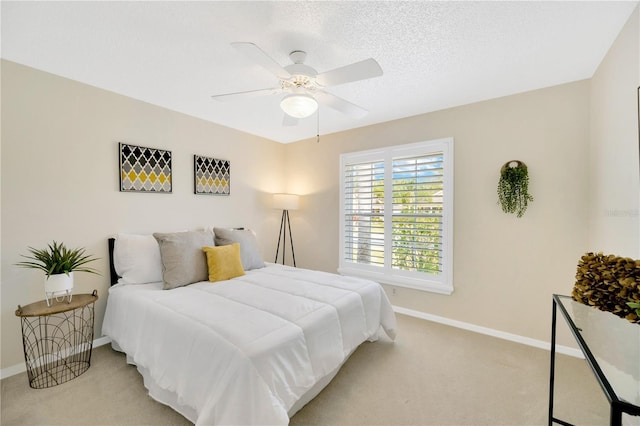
249	350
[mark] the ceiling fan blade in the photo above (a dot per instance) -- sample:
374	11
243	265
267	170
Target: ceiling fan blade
288	120
258	56
246	95
340	104
362	70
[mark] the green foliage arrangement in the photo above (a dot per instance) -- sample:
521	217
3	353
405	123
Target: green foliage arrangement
58	259
513	188
636	306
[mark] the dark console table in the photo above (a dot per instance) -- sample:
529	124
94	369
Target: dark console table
611	346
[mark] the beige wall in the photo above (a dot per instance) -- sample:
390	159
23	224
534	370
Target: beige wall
60	180
580	141
505	268
614	180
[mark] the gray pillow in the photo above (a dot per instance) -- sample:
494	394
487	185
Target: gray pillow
183	261
249	251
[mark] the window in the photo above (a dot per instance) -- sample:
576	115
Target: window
396	223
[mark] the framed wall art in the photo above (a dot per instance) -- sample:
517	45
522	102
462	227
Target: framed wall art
211	176
144	169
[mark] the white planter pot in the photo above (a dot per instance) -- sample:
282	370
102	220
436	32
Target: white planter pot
58	285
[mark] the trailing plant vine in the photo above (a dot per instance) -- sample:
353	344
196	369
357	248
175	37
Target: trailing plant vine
513	188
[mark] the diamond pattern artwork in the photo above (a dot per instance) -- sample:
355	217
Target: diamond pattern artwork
211	176
145	169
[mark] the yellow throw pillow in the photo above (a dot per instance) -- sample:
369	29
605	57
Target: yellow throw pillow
224	262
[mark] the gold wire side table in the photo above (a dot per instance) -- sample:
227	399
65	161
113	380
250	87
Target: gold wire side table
57	339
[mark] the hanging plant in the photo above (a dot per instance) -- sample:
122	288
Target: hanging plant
513	188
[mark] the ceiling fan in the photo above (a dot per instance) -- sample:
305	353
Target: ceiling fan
302	86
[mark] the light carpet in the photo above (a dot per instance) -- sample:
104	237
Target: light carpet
431	375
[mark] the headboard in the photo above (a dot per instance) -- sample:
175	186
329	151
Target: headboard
112	270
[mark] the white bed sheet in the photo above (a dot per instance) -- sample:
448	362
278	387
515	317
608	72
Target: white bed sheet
244	351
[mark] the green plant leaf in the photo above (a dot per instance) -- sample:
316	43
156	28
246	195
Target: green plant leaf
58	259
636	306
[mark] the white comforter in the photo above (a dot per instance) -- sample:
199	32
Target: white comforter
245	351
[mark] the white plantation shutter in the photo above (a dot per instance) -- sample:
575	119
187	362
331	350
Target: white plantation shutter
396	215
364	213
417	213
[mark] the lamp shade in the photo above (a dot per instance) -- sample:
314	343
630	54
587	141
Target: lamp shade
299	105
286	201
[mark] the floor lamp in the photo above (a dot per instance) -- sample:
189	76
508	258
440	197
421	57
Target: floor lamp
285	202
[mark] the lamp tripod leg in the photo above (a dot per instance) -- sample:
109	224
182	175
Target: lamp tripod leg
293	253
280	236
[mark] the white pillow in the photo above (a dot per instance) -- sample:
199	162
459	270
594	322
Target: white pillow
137	259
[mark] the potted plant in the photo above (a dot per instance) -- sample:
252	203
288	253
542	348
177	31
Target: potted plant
58	263
513	188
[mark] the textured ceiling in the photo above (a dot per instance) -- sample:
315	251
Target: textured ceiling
434	55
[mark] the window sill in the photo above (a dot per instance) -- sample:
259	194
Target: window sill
422	285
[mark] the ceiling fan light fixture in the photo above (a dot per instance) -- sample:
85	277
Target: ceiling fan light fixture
299	105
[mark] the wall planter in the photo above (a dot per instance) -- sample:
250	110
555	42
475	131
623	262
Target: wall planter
513	188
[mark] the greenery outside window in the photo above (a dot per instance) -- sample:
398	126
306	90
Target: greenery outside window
396	223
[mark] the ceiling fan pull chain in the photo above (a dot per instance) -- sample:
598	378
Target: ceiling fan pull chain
318	124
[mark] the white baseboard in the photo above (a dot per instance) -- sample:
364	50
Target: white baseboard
101	341
13	370
22	367
490	332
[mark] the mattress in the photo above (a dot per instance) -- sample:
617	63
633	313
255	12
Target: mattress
247	350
